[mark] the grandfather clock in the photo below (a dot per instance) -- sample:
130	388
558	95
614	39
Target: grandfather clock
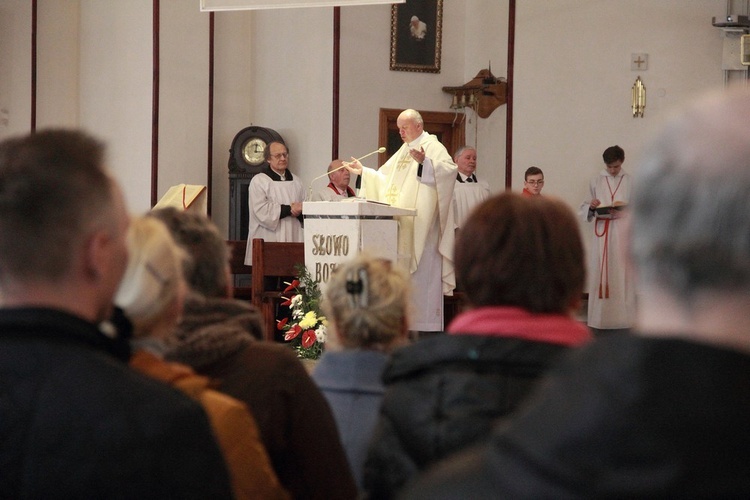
245	160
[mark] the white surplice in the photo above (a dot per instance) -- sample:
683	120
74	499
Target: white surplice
426	241
265	197
466	196
611	288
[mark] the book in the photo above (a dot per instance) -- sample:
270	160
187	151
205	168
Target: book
606	212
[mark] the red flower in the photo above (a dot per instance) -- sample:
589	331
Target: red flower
281	324
308	338
287	301
292	333
294	284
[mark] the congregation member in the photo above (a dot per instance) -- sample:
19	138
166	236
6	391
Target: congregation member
661	413
275	199
338	188
217	337
366	304
444	393
611	291
468	191
151	296
77	422
533	181
420	175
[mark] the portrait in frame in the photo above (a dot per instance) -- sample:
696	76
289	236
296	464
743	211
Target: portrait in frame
416	33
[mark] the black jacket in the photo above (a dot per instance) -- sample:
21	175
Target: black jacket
76	422
624	417
443	394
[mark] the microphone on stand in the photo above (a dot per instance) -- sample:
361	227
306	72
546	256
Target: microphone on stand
380	150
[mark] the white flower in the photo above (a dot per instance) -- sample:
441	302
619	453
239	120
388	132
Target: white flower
321	334
296	301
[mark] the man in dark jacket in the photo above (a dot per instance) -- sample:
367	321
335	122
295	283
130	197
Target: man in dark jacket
76	421
444	393
662	413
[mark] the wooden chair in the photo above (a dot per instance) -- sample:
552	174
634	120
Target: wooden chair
240	271
272	260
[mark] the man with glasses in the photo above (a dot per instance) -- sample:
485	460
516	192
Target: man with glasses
275	201
533	181
468	191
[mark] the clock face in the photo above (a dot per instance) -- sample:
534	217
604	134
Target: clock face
253	150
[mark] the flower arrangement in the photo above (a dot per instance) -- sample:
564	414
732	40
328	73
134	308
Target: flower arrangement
307	328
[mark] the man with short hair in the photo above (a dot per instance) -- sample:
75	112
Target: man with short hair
338	188
611	290
420	175
661	413
468	191
76	421
275	199
533	181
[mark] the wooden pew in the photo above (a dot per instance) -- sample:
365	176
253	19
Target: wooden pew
272	260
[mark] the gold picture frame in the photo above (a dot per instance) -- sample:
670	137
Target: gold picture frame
416	36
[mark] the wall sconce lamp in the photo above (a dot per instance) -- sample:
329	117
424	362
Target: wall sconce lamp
484	93
638	101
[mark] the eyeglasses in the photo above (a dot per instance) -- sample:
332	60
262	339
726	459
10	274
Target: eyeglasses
536	183
280	156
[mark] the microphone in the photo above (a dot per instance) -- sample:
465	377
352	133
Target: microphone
380	150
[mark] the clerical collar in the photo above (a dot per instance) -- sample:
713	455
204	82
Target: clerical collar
463	178
418	140
277	177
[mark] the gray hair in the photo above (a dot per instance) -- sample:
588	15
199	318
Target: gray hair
367	300
691	229
206	269
413	114
462	149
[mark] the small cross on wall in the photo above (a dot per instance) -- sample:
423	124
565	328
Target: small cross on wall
639	62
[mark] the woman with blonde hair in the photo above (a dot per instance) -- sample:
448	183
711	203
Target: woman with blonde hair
366	304
151	296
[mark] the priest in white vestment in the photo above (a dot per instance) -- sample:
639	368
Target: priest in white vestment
274	201
421	175
469	191
611	288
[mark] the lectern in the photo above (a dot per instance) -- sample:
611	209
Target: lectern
336	231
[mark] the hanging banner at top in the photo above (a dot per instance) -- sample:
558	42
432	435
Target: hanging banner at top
218	5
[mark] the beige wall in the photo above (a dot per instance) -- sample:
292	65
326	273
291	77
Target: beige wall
274	69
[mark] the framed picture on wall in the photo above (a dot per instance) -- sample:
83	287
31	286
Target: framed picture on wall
416	32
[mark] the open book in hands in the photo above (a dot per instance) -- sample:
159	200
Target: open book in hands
610	211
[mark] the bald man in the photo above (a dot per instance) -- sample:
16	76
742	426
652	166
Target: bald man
338	188
420	175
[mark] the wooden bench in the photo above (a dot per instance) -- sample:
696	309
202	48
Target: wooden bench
240	271
272	259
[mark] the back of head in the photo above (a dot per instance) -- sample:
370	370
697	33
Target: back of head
691	230
54	191
206	269
367	300
152	289
522	252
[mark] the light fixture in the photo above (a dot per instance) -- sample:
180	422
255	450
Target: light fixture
638	98
484	93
